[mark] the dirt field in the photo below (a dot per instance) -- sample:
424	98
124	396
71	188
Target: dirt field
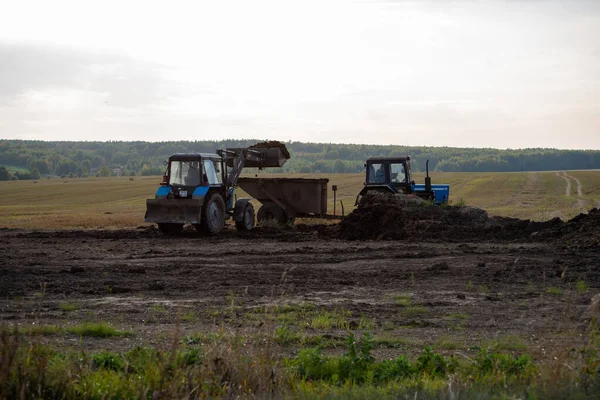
456	295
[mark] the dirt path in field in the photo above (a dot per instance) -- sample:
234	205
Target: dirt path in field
150	284
580	203
579	187
566	178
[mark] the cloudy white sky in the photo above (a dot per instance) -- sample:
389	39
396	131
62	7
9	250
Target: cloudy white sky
505	74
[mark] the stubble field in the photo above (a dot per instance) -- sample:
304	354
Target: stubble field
119	202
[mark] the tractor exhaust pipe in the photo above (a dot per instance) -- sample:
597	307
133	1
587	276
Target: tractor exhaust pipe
427	178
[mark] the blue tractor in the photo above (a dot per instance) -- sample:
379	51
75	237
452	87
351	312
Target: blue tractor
393	175
198	189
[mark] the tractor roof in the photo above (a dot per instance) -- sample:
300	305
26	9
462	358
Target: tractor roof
388	159
195	157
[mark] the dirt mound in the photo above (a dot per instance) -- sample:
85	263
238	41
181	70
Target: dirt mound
271	144
392	216
582	231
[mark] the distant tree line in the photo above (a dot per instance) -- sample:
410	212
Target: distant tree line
27	159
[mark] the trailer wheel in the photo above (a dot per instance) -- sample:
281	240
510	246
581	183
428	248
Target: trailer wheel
213	214
170	229
271	212
247	222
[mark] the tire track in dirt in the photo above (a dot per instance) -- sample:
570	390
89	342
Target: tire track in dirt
580	203
579	187
566	178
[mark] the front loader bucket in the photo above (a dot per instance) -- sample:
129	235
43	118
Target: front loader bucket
173	211
262	157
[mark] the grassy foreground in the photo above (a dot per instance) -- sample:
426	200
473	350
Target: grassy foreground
119	202
231	365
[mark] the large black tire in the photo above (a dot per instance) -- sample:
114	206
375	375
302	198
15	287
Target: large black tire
213	214
271	212
170	229
248	219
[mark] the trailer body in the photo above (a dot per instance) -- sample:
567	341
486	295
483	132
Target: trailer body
284	199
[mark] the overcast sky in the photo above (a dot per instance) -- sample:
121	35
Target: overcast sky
504	74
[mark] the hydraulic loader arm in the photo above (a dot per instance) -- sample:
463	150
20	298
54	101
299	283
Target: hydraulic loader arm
239	162
236	171
240	158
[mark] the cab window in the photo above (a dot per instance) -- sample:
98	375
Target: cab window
397	173
213	174
185	173
376	173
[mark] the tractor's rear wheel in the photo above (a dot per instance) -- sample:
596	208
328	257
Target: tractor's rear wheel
170	229
248	218
213	214
271	213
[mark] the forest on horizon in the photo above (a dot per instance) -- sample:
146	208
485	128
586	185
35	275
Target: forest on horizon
34	159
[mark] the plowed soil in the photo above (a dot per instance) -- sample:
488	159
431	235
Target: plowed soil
462	288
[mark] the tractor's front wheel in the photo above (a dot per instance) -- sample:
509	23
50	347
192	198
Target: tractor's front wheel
213	214
248	218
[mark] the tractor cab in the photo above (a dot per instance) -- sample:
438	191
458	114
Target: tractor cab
393	171
388	175
186	172
393	175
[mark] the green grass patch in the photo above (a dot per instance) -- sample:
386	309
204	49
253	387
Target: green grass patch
484	289
358	366
582	287
96	329
68	306
456	322
388	326
367	324
222	365
404	300
459	203
508	342
292	314
326	320
553	290
285	336
41	330
190	317
449	343
458	316
414	311
322	341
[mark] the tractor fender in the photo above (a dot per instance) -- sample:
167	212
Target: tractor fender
240	206
162	192
200	192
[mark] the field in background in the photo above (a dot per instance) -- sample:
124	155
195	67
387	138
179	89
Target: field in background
120	201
